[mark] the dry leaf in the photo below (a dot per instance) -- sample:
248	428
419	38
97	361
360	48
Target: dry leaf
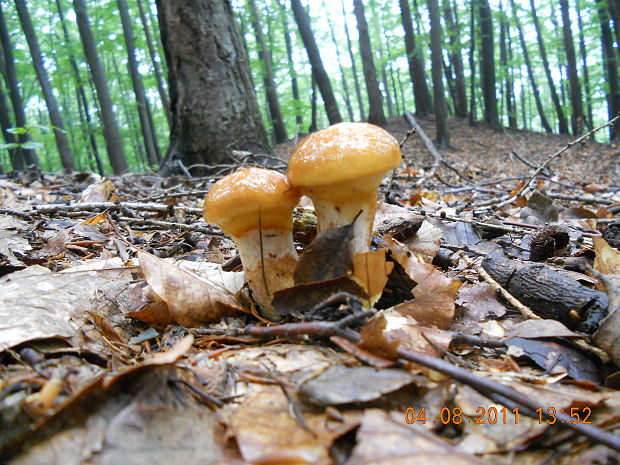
607	259
371	271
104	191
192	300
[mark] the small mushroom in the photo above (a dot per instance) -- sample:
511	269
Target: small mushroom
255	207
340	168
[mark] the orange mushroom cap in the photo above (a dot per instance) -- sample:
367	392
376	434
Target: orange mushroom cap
238	200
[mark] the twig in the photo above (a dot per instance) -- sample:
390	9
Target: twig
92	206
527	162
203	228
580	198
429	146
5	211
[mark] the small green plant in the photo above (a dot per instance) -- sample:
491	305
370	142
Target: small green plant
27	129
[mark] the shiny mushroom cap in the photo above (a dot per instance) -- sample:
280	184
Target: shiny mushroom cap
245	199
341	153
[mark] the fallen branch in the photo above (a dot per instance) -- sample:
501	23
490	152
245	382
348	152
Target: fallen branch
429	146
100	206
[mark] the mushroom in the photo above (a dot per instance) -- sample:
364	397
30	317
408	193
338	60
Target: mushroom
340	168
255	207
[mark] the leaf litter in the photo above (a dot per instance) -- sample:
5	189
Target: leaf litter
128	335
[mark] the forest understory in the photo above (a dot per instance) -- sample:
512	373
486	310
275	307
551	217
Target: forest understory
495	340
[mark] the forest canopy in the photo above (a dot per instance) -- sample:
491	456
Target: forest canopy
85	84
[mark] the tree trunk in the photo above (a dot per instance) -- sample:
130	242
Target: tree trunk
472	67
442	137
377	27
345	85
530	73
62	141
161	87
299	121
454	35
375	110
17	160
110	127
543	54
313	108
314	56
264	55
421	93
584	67
610	68
503	54
487	63
577	118
148	135
83	105
356	82
214	107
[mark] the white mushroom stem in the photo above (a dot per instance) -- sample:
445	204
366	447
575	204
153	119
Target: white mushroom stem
268	268
337	206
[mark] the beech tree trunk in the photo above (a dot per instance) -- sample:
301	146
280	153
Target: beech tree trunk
441	114
213	104
299	121
356	81
584	68
62	141
264	55
530	73
543	54
577	118
148	133
161	89
610	64
375	110
487	63
508	86
421	93
314	56
472	67
111	133
454	36
17	160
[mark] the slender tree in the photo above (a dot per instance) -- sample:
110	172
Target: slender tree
15	155
543	54
441	126
375	110
318	71
421	93
62	142
161	86
508	86
454	36
530	72
377	26
264	56
576	99
610	64
148	132
213	104
472	68
299	121
356	82
343	76
111	133
584	70
487	63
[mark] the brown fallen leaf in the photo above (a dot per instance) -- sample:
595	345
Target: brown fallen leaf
371	271
607	260
192	300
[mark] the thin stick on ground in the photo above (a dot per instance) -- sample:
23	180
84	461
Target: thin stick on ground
438	159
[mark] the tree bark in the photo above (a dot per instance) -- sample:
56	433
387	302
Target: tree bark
299	121
343	77
543	54
213	104
454	35
472	67
111	133
17	160
62	141
314	56
508	85
356	82
421	93
375	110
442	136
530	73
577	118
264	55
610	65
487	63
148	132
584	67
161	87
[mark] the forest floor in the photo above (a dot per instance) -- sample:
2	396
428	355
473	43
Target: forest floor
127	334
